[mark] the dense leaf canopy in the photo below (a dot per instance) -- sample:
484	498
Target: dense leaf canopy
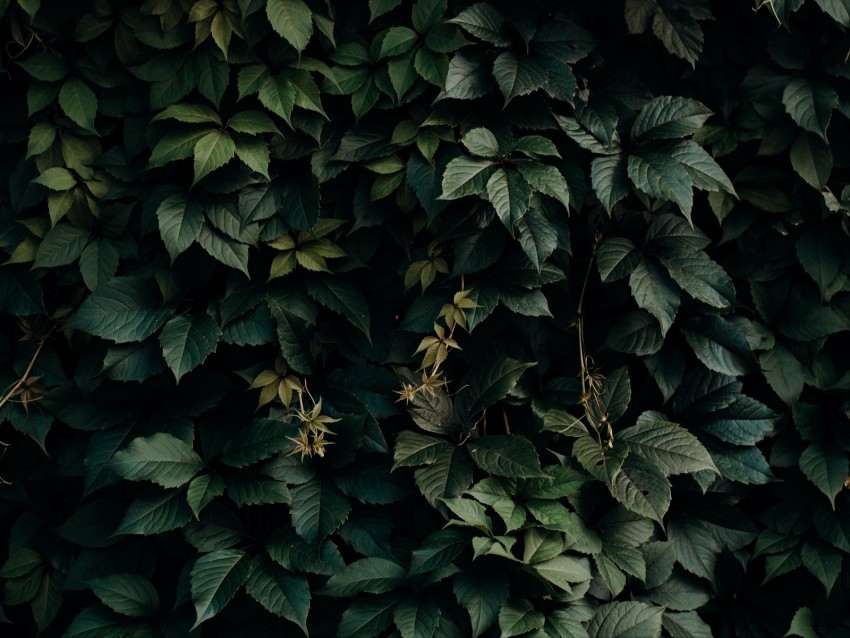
420	319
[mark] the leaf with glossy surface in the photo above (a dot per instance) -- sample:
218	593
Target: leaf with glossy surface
509	193
466	176
517	75
668	117
212	151
667	445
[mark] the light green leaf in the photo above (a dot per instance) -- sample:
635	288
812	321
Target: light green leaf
655	292
669	117
466	176
160	458
810	103
292	20
518	618
56	179
215	579
126	594
187	340
212	151
667	445
509	193
254	153
278	95
481	142
518	75
513	456
826	466
545	179
280	592
564	571
482	593
79	103
124	309
372	575
41	138
628	619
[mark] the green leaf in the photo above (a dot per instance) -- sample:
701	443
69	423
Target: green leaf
609	178
62	245
41	138
342	297
252	123
803	624
719	345
180	220
187	340
189	114
637	332
56	179
258	441
481	142
669	117
228	251
655	292
79	103
488	383
98	622
700	276
642	487
212	151
484	22
509	193
417	617
412	448
626	620
537	236
46	67
679	31
826	466
505	455
176	146
545	179
372	575
396	41
280	592
518	75
685	624
667	445
519	618
254	153
160	458
616	258
466	176
292	20
784	372
837	10
810	104
124	309
127	594
659	175
704	172
446	477
482	593
99	262
318	508
380	7
823	562
820	254
215	578
601	463
367	617
202	490
155	515
564	571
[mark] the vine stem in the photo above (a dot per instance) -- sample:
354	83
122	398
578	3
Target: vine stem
23	379
580	317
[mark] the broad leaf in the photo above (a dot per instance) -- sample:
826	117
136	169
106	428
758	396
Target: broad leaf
292	20
826	467
161	458
187	340
668	117
501	455
668	445
127	594
626	620
215	579
482	593
810	103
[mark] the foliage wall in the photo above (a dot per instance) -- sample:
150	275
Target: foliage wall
425	319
